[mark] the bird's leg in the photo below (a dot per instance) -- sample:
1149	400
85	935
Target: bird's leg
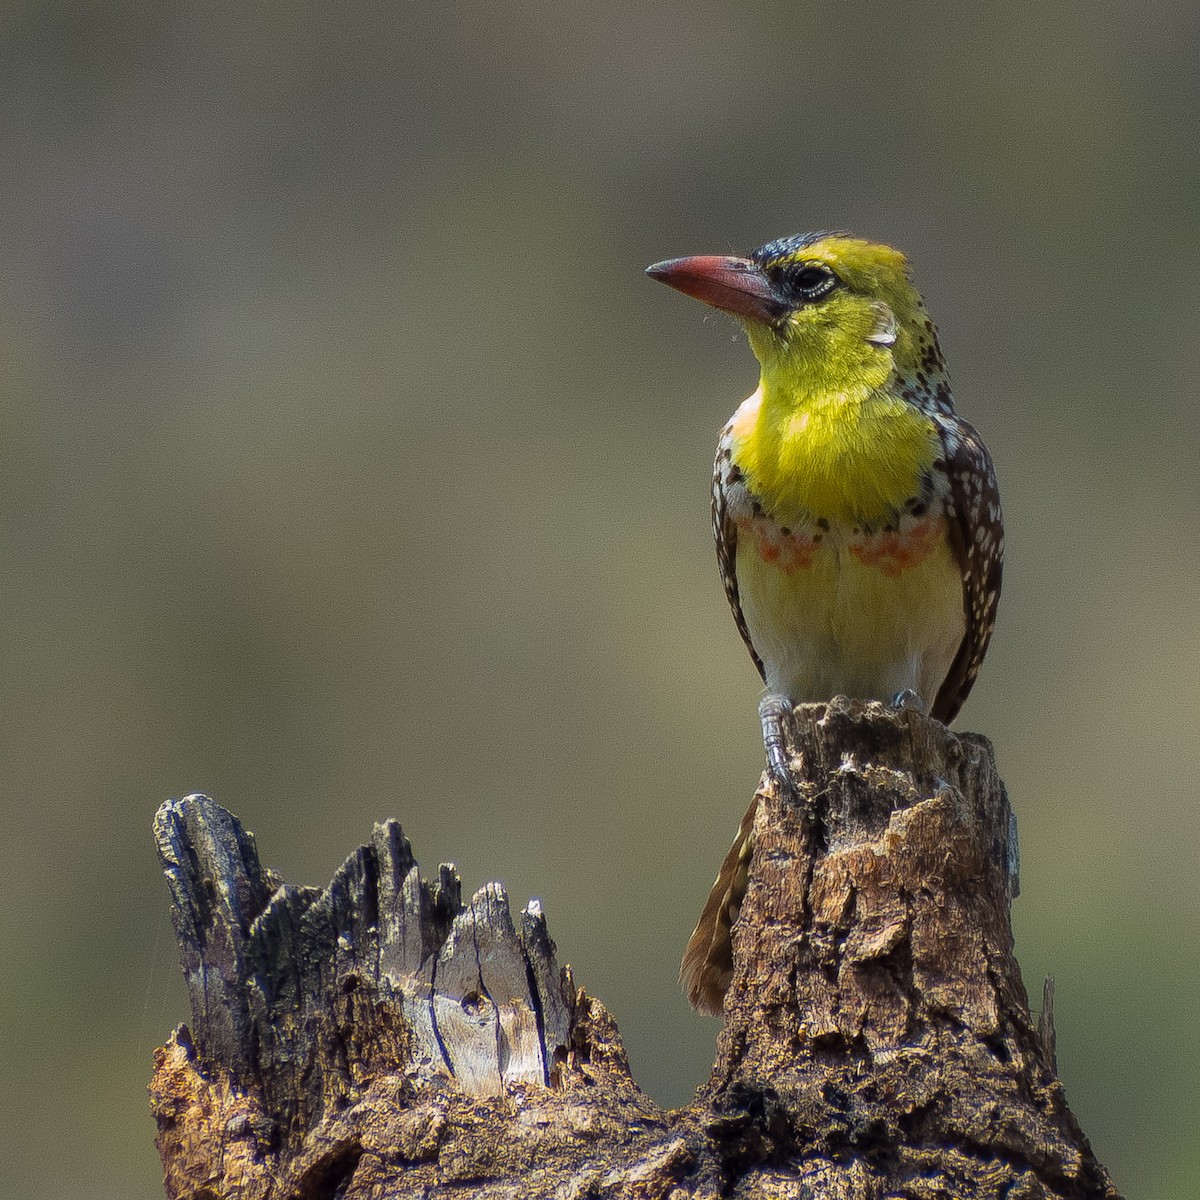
774	711
909	701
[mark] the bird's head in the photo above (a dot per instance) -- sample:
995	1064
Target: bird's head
825	308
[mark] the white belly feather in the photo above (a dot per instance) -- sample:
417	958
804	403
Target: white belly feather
842	626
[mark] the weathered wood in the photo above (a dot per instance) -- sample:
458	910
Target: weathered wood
382	1038
874	987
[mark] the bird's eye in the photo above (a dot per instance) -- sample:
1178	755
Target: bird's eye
808	281
813	279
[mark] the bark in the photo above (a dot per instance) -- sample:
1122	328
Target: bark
382	1038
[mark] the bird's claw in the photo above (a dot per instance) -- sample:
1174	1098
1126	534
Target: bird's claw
774	712
909	701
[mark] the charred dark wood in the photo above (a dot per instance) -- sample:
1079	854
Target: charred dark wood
382	1037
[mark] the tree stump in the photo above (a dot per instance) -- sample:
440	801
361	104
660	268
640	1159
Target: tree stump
384	1038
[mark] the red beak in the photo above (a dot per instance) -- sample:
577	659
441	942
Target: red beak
735	285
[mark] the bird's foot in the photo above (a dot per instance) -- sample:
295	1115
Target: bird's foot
909	701
775	712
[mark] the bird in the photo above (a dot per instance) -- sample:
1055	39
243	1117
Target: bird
857	516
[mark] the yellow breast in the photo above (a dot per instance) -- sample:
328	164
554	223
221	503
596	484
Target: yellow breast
844	456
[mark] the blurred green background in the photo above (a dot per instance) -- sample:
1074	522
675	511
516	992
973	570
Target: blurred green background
350	467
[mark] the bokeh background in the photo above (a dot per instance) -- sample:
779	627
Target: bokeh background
350	467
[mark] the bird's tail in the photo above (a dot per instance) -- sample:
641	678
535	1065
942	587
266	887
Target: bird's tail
707	966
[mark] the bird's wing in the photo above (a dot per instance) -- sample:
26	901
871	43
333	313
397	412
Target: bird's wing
976	531
725	477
